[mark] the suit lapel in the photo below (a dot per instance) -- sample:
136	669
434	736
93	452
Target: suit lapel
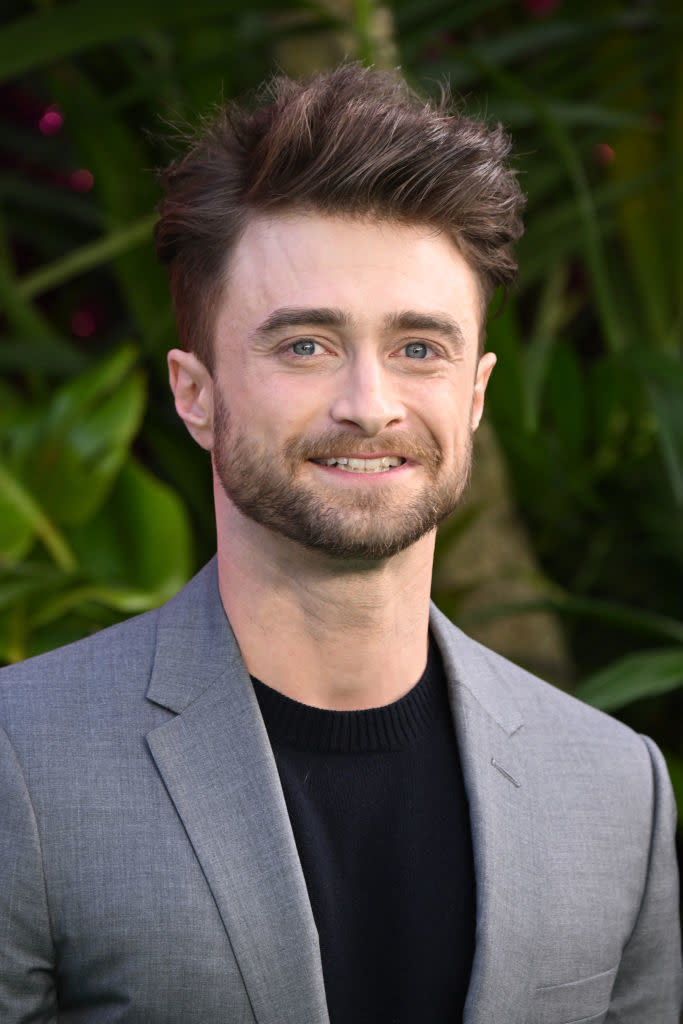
219	770
507	841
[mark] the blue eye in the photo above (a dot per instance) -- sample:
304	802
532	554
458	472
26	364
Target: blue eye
416	350
305	347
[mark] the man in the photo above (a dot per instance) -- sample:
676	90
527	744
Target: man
294	794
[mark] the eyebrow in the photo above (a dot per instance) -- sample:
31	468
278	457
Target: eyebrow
439	323
406	320
298	316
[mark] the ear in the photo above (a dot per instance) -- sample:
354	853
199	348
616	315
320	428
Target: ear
484	368
192	388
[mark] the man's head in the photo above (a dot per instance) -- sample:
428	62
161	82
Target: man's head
331	255
352	142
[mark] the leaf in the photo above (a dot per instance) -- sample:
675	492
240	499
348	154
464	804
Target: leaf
569	114
550	319
645	674
77	397
59	207
70	28
23	519
17	531
30	579
68	628
456	526
507	389
559	34
84	438
79	261
592	609
54	356
137	550
22	316
675	765
662	376
566	400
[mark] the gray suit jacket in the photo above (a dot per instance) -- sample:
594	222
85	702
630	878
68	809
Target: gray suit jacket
148	871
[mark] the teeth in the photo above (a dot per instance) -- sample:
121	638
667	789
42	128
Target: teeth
363	465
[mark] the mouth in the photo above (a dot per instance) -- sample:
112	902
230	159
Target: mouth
382	464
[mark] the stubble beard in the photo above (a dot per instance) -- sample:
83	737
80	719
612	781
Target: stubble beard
360	525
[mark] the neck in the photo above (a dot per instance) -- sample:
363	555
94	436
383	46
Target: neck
329	633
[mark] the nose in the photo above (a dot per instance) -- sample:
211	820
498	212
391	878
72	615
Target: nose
367	397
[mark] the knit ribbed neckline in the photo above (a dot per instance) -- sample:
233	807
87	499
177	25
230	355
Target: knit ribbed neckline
392	727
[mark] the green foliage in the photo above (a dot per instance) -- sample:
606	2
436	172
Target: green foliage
101	490
631	678
82	523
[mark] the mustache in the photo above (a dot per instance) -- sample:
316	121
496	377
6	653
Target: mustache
342	442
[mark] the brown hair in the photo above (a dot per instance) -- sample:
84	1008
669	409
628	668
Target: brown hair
354	141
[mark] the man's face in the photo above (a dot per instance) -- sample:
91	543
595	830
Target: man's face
347	382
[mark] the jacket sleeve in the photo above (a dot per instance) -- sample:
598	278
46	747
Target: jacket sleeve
27	990
649	982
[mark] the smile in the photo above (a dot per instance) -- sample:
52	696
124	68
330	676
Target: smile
350	465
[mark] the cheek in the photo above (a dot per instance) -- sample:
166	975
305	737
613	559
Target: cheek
301	401
446	412
282	408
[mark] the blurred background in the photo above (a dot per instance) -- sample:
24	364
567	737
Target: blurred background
568	555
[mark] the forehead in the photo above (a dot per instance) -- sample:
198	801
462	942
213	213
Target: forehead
370	268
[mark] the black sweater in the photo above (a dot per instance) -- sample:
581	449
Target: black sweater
379	814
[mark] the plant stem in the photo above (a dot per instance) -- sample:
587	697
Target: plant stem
26	505
87	257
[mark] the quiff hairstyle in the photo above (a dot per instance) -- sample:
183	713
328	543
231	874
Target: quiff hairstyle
355	141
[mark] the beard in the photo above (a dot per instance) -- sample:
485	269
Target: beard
359	525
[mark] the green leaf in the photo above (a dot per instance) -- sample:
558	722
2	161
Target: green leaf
456	525
510	47
77	398
52	356
566	400
674	763
645	674
137	549
70	28
22	518
29	580
68	628
621	616
84	438
550	319
116	243
506	392
22	316
662	376
645	217
17	531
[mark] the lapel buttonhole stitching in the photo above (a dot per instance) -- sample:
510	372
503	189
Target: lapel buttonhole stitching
505	773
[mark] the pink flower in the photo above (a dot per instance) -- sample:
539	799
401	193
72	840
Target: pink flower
52	120
81	180
603	154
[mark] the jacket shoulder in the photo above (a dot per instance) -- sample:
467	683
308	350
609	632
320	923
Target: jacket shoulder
116	658
517	698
